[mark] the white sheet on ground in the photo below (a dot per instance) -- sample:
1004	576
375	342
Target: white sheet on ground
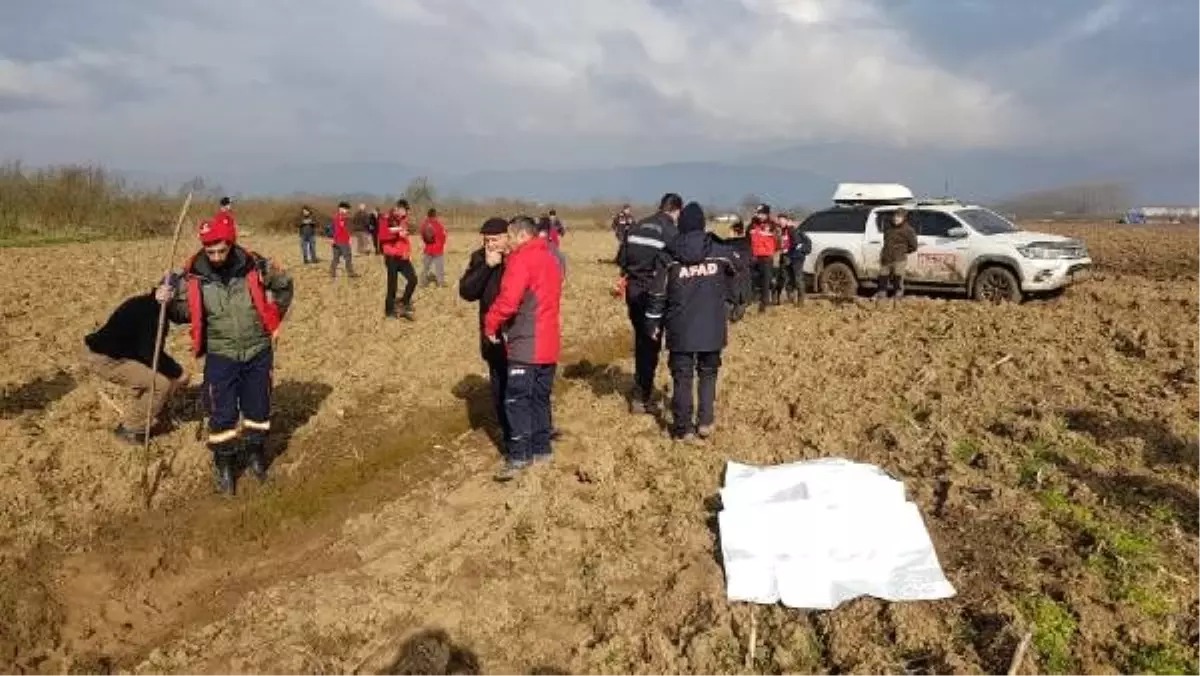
815	534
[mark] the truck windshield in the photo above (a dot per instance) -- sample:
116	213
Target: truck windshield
986	221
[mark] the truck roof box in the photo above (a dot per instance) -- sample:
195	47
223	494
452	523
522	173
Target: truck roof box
871	193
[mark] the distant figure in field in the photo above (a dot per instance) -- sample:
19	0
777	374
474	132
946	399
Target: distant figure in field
622	223
764	244
899	240
795	247
224	217
360	227
308	236
397	256
373	228
433	263
341	241
551	229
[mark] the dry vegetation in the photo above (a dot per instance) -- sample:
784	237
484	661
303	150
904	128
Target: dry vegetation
1052	447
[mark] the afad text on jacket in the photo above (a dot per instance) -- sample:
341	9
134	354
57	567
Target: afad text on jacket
688	295
527	307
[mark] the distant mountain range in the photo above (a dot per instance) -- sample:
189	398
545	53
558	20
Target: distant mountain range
791	176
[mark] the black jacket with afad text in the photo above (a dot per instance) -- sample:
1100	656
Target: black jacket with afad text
689	292
640	250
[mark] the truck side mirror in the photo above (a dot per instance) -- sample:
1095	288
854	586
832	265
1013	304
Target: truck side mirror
957	233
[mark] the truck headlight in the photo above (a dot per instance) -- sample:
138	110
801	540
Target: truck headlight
1040	252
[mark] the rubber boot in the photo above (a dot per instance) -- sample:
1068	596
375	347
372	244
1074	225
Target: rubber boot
256	458
224	474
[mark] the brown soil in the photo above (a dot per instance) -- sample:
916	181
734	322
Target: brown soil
1052	447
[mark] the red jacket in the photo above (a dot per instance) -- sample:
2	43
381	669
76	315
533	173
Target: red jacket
434	235
341	234
528	305
762	240
393	236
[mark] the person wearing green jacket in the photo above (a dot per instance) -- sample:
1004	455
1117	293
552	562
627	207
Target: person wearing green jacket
234	300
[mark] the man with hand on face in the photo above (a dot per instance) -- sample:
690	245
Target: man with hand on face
526	309
481	283
235	301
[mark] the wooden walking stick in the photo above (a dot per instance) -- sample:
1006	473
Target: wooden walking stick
162	316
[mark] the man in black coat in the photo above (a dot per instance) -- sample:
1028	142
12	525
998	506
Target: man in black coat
688	299
639	257
122	351
481	282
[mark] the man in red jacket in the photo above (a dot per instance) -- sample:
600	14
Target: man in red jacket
224	219
433	234
527	311
764	244
397	254
341	241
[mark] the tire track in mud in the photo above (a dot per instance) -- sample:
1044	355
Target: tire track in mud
143	579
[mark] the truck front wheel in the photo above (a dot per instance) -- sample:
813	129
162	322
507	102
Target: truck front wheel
997	285
837	279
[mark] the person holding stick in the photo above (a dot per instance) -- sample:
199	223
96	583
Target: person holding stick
122	351
235	301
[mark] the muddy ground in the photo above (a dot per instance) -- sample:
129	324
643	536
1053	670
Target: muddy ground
1052	447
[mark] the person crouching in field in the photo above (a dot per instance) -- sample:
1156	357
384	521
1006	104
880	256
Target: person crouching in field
899	240
341	241
433	263
527	311
397	255
796	246
308	236
688	299
481	283
122	352
235	301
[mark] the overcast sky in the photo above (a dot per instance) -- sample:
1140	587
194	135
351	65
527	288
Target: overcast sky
468	84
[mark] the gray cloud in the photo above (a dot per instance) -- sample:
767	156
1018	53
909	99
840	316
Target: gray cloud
478	83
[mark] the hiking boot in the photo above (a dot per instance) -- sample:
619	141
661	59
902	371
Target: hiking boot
704	431
407	313
511	470
131	436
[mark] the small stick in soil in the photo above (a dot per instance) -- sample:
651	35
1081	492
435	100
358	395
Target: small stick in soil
1003	360
753	638
1020	654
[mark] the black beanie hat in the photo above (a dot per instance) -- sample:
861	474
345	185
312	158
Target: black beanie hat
691	219
494	226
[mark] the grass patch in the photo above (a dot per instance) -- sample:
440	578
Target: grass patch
1034	465
1053	630
1162	658
965	450
1126	560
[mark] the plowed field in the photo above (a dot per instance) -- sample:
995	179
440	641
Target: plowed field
1052	447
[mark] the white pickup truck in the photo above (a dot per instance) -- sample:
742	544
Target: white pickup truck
961	248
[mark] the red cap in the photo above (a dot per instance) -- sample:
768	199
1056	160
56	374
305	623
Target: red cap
213	233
